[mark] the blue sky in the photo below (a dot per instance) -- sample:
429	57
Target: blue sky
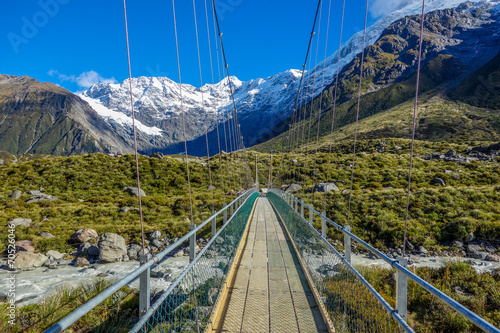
75	43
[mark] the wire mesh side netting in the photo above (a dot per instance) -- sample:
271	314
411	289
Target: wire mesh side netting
351	305
189	306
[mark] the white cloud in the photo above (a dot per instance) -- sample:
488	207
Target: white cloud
84	80
380	8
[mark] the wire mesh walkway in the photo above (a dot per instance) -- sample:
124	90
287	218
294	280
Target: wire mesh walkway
270	292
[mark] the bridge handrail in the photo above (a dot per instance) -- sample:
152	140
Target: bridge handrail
153	308
474	318
87	307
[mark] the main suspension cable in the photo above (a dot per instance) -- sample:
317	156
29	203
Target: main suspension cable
414	125
215	101
321	101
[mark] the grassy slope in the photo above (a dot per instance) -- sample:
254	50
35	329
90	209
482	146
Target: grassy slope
469	202
89	188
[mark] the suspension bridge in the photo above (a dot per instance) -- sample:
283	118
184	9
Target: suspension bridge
269	266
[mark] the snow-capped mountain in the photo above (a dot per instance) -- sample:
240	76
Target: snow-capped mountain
262	104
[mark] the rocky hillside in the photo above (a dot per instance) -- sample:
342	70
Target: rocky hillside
458	49
42	118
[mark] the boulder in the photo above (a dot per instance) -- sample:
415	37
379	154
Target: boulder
24	245
450	153
134	251
155	235
157	155
423	250
493	257
84	235
293	187
325	187
111	247
471	248
16	194
470	237
135	191
438	181
81	262
123	209
46	235
37	196
21	222
29	260
54	255
156	243
458	244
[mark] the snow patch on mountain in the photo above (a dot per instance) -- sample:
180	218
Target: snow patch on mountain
119	117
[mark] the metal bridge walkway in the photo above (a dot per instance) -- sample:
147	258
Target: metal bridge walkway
270	292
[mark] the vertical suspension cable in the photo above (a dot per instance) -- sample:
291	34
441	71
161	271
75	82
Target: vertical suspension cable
215	101
203	105
414	126
357	112
321	100
226	64
335	99
182	112
133	127
295	112
312	101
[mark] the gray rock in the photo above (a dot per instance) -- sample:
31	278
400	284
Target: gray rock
111	247
2	162
135	191
293	187
134	251
46	235
423	250
325	187
3	297
25	245
155	235
471	248
124	210
439	181
21	222
82	262
450	153
458	244
157	155
16	194
156	243
470	237
54	255
93	251
490	249
37	196
84	235
493	257
397	148
448	172
29	260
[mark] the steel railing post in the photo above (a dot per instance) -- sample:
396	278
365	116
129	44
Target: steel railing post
347	244
302	209
144	286
231	210
323	226
224	218
311	215
192	245
214	224
402	290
